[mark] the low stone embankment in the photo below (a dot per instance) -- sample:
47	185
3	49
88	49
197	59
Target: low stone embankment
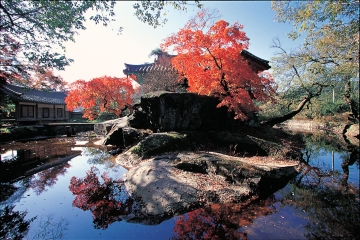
349	130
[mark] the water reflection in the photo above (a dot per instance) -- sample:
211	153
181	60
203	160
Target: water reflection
322	202
107	201
99	156
50	228
47	178
221	221
17	158
325	192
13	223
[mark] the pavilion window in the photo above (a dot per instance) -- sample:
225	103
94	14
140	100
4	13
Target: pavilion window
46	112
59	112
27	111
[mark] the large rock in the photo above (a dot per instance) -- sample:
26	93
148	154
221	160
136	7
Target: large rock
178	182
168	111
231	143
171	173
105	128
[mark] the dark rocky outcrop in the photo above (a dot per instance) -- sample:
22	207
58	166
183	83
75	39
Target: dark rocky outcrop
166	111
193	153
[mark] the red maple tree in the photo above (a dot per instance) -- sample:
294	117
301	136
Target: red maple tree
209	56
102	94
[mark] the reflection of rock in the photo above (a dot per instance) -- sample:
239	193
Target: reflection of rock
352	134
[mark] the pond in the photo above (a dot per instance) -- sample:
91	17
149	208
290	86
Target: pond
84	198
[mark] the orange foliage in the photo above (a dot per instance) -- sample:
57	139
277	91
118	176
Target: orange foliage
103	94
212	63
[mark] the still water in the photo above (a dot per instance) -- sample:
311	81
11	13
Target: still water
84	199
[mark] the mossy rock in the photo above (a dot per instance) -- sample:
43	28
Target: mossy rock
162	142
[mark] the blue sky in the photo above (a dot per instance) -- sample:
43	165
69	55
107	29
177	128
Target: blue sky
100	51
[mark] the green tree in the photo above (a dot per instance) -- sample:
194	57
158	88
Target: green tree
31	29
329	55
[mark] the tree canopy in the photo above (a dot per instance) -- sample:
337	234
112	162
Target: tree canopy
329	55
103	94
30	31
208	55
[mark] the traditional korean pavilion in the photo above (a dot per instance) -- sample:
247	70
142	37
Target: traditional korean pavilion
163	63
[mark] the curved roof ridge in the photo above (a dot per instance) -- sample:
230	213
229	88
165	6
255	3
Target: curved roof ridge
34	95
246	52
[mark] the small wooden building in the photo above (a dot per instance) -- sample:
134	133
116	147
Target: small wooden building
35	106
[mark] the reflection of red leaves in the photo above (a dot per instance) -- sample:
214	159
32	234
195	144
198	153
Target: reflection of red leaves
102	199
220	221
47	178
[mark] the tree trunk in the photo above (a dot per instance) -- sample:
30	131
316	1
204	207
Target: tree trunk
351	103
271	122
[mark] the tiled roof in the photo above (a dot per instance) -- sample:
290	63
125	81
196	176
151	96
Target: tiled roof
32	95
255	58
142	68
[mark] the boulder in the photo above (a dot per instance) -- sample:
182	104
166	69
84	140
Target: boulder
175	183
124	136
105	128
171	173
352	131
168	111
352	134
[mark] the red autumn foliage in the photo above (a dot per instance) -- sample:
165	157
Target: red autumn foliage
213	65
102	199
102	94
